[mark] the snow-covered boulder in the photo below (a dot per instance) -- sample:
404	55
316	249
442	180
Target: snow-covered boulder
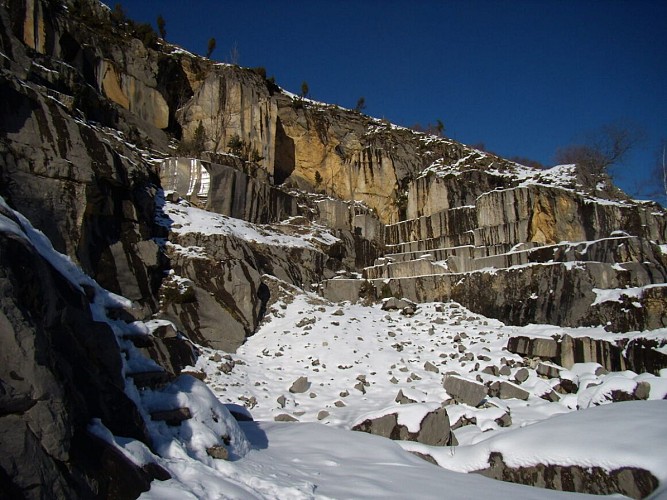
464	390
616	448
426	423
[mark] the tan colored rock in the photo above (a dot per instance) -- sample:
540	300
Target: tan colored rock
34	31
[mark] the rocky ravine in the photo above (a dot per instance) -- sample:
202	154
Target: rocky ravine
334	201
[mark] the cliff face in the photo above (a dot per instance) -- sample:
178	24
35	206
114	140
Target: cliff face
60	368
90	114
66	162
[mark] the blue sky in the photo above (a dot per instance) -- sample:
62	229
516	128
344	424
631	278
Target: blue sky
523	77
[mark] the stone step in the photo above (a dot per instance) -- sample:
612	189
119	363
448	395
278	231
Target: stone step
425	245
417	267
172	417
562	293
628	252
456	221
464	251
150	379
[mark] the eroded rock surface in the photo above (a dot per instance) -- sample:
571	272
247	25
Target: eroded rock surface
630	481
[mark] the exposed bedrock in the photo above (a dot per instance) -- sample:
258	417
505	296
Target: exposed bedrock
58	370
539	214
90	193
631	481
227	189
223	279
637	354
555	293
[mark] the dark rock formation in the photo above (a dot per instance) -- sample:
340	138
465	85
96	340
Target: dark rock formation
465	391
636	354
633	482
434	428
75	180
59	370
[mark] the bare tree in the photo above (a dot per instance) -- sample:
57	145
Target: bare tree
656	185
234	55
603	148
361	105
437	129
664	170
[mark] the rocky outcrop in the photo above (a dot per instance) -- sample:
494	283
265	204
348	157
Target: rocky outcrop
77	181
223	277
637	354
227	190
434	429
59	369
465	391
220	304
629	481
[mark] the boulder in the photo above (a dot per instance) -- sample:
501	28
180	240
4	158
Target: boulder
507	390
403	399
392	303
430	367
172	417
548	370
464	390
434	429
300	385
218	451
521	375
533	347
284	417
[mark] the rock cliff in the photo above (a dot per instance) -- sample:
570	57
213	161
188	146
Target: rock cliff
91	112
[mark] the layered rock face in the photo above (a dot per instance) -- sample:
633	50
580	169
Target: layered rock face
216	291
633	482
227	190
59	369
75	179
529	253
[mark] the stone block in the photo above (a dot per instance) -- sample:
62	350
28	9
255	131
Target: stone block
464	390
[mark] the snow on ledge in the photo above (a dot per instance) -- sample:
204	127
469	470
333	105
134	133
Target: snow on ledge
617	294
627	434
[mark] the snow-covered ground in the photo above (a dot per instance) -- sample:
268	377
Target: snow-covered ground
182	218
357	358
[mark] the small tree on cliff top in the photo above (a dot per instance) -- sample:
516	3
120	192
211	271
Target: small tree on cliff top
162	27
210	48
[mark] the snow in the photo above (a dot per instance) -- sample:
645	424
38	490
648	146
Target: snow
617	294
304	461
627	434
408	415
210	421
183	219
